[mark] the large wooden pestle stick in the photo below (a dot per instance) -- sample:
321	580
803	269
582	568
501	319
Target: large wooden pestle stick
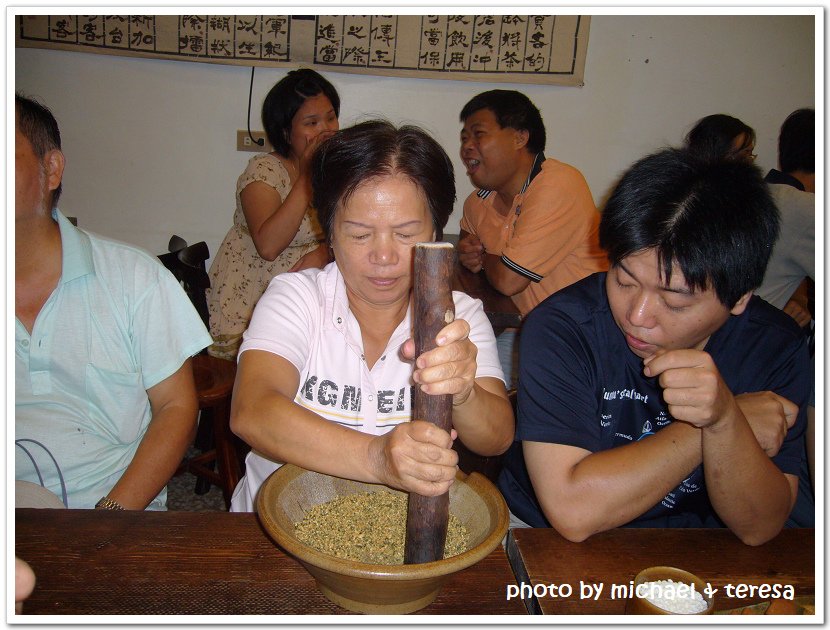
432	309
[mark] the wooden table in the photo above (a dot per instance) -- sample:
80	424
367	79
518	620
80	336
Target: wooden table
542	556
499	308
198	563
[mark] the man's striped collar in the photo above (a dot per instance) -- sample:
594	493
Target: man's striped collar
481	193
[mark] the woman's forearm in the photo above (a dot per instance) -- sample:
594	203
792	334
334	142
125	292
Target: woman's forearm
485	422
273	222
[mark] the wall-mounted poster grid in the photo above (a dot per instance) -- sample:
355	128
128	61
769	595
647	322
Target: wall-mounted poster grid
547	49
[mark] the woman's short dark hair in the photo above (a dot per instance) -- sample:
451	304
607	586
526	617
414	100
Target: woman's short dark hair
512	109
714	136
38	125
797	142
714	218
286	97
376	149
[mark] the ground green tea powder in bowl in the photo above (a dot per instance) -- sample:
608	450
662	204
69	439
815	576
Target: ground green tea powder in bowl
368	527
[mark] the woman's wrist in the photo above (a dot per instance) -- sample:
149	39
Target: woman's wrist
375	459
460	399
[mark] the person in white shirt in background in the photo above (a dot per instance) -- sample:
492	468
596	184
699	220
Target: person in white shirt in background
790	279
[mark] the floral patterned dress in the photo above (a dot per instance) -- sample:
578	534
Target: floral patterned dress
238	275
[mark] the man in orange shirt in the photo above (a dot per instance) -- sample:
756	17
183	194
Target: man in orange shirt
532	225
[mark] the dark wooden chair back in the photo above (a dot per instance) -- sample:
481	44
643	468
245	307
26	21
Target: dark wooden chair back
187	264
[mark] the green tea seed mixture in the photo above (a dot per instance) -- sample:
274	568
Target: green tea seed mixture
368	527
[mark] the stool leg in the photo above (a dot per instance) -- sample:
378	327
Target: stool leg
205	441
226	459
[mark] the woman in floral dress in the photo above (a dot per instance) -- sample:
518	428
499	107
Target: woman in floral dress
275	229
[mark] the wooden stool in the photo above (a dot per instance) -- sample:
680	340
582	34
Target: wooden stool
218	465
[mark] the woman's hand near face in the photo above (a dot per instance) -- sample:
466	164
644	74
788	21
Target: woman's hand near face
310	148
415	457
450	368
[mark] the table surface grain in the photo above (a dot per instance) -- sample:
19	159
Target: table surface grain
543	557
199	563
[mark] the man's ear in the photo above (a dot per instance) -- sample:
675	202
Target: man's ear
740	305
54	163
521	138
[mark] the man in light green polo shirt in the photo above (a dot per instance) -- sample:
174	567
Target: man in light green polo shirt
105	403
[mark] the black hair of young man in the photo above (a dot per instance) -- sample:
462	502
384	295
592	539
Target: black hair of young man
714	218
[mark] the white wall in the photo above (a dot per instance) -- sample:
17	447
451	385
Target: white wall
150	144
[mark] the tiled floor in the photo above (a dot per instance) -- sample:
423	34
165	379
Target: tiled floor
181	496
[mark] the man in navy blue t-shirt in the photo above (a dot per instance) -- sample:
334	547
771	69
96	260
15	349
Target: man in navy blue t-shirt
663	393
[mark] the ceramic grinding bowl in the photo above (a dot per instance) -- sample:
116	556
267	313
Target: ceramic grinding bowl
289	492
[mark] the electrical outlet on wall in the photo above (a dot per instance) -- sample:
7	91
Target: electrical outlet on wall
244	142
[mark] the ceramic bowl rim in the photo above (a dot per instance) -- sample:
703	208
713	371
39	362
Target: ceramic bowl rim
427	570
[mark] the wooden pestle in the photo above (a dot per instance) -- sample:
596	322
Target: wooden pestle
432	309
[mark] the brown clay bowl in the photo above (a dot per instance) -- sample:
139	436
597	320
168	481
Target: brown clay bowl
376	588
641	606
